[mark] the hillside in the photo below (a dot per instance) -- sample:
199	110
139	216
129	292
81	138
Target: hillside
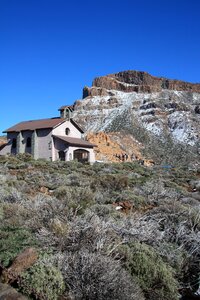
162	115
104	232
127	230
3	140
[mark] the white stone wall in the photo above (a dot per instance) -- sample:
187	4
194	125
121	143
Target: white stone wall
60	130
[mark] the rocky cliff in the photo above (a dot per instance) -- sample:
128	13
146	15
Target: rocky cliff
135	81
149	108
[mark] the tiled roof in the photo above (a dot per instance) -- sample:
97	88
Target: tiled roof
75	141
35	124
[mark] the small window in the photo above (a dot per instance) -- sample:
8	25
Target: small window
67	131
14	143
28	142
50	145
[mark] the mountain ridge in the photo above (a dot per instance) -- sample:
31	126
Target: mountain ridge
153	110
138	81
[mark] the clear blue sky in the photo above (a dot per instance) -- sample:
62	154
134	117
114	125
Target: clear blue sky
50	49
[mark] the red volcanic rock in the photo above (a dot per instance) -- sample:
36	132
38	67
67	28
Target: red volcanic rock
136	81
95	91
22	262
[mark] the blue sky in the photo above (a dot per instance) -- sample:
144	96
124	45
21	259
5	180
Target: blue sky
51	49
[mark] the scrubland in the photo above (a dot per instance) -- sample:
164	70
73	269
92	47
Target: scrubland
86	248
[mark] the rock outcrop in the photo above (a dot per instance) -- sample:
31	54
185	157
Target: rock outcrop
136	81
116	147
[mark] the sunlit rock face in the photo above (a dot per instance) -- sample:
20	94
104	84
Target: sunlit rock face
135	81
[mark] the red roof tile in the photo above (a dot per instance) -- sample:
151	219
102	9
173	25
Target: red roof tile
35	124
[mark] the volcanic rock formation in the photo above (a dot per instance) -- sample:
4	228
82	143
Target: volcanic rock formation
135	81
143	106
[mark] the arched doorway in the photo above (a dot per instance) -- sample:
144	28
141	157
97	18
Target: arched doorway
81	155
61	155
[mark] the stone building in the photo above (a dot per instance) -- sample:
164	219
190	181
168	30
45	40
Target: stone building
59	138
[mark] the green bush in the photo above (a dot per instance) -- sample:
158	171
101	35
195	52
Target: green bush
24	157
75	197
154	276
42	281
112	182
12	242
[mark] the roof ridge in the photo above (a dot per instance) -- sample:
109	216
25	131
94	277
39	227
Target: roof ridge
36	124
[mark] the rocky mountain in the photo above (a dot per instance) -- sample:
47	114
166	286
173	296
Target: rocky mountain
159	113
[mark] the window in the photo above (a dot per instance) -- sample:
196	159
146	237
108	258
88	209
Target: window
67	131
28	142
14	143
50	145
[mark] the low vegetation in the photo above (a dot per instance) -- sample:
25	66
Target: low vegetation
107	231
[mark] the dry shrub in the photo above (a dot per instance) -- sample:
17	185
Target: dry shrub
113	182
96	277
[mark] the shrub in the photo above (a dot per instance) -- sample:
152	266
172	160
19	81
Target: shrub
113	182
96	277
101	210
155	277
175	256
26	157
42	281
12	242
12	215
75	197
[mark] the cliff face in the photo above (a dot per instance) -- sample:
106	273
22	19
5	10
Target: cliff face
144	106
135	81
